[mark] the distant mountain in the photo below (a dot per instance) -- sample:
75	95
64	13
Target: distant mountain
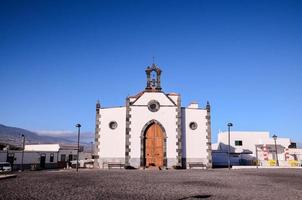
12	135
85	137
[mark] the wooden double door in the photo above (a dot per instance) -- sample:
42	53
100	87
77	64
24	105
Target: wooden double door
154	146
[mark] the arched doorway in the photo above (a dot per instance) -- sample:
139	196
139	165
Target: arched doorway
154	146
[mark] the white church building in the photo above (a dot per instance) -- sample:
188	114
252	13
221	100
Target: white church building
153	130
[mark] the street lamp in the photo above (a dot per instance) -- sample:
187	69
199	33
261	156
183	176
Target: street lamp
277	161
23	147
229	145
78	126
91	149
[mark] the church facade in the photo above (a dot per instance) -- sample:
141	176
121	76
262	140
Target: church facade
153	130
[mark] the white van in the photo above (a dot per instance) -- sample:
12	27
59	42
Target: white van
5	167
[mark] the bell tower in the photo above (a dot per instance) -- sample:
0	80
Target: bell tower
153	78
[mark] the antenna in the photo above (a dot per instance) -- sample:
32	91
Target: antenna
152	59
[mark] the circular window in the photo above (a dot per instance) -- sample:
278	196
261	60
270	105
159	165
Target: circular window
153	106
113	125
193	125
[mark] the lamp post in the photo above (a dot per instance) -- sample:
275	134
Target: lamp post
275	139
229	145
78	126
91	149
256	156
23	147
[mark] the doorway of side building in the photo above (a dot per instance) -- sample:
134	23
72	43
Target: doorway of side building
42	160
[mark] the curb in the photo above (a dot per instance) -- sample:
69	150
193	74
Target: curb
8	176
263	167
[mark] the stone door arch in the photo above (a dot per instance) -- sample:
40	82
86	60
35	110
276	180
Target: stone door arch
153	145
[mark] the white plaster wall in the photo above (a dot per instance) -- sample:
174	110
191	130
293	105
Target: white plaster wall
159	96
174	97
42	147
30	157
112	142
249	140
140	115
66	153
195	144
132	99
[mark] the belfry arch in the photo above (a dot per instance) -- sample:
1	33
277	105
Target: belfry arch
153	83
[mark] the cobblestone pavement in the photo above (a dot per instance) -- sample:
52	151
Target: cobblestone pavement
151	184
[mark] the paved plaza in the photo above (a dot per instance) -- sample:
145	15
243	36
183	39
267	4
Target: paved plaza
153	184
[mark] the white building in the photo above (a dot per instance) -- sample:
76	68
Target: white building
31	159
42	156
66	152
153	129
247	147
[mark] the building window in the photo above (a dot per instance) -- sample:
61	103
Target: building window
51	157
153	106
238	142
10	158
193	125
113	125
63	157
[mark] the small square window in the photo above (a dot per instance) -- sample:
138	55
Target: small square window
238	142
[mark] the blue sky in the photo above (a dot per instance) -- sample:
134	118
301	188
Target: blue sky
58	57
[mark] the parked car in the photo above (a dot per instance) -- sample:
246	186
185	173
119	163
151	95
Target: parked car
5	167
88	163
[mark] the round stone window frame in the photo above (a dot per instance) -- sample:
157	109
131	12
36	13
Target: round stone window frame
193	125
113	125
153	106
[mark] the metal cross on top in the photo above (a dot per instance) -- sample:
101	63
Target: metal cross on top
153	59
